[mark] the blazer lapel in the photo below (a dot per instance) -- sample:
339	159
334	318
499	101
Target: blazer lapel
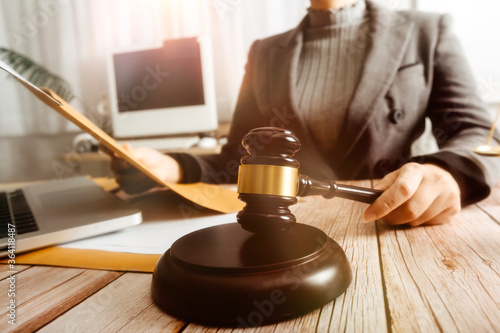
283	63
390	34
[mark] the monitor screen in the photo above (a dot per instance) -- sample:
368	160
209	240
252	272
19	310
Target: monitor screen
163	90
160	78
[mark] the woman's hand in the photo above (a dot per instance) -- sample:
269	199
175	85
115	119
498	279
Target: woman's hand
416	194
133	181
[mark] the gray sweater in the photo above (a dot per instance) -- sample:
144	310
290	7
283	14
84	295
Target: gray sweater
329	69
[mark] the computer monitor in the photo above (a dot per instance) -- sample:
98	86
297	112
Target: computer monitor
168	90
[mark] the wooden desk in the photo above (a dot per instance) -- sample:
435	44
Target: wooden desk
427	279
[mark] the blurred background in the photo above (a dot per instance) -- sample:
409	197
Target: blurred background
73	38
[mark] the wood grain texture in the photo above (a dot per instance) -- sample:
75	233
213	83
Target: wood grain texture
37	281
491	205
125	304
443	278
192	328
306	323
43	293
4	270
361	308
153	319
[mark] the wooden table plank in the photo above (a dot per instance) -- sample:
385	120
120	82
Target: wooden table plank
192	328
491	205
443	278
152	319
303	324
36	281
43	293
4	270
120	305
362	307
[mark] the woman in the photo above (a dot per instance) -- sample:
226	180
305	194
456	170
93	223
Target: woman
355	82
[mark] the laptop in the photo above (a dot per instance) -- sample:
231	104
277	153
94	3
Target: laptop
59	211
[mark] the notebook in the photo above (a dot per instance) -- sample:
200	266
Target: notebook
59	211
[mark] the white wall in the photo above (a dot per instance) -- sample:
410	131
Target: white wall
477	24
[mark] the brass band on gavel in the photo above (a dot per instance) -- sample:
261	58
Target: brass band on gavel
268	179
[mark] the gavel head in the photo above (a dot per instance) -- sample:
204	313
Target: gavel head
268	180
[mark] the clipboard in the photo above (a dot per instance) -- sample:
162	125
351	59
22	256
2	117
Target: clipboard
206	195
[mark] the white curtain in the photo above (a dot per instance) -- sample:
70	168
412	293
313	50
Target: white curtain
72	38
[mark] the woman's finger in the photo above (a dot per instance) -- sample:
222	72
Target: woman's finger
401	190
419	207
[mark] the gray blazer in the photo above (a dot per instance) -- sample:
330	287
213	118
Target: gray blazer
414	69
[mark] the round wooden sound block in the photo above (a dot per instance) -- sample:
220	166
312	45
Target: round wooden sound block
227	276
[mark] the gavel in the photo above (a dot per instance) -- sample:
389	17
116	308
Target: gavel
269	182
221	275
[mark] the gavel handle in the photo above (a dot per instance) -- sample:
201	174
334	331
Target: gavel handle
330	189
361	194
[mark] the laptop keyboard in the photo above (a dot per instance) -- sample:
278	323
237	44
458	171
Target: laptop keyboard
19	213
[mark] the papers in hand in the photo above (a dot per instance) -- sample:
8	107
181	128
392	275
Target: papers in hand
206	195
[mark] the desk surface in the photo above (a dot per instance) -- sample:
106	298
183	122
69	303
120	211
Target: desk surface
51	156
427	279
